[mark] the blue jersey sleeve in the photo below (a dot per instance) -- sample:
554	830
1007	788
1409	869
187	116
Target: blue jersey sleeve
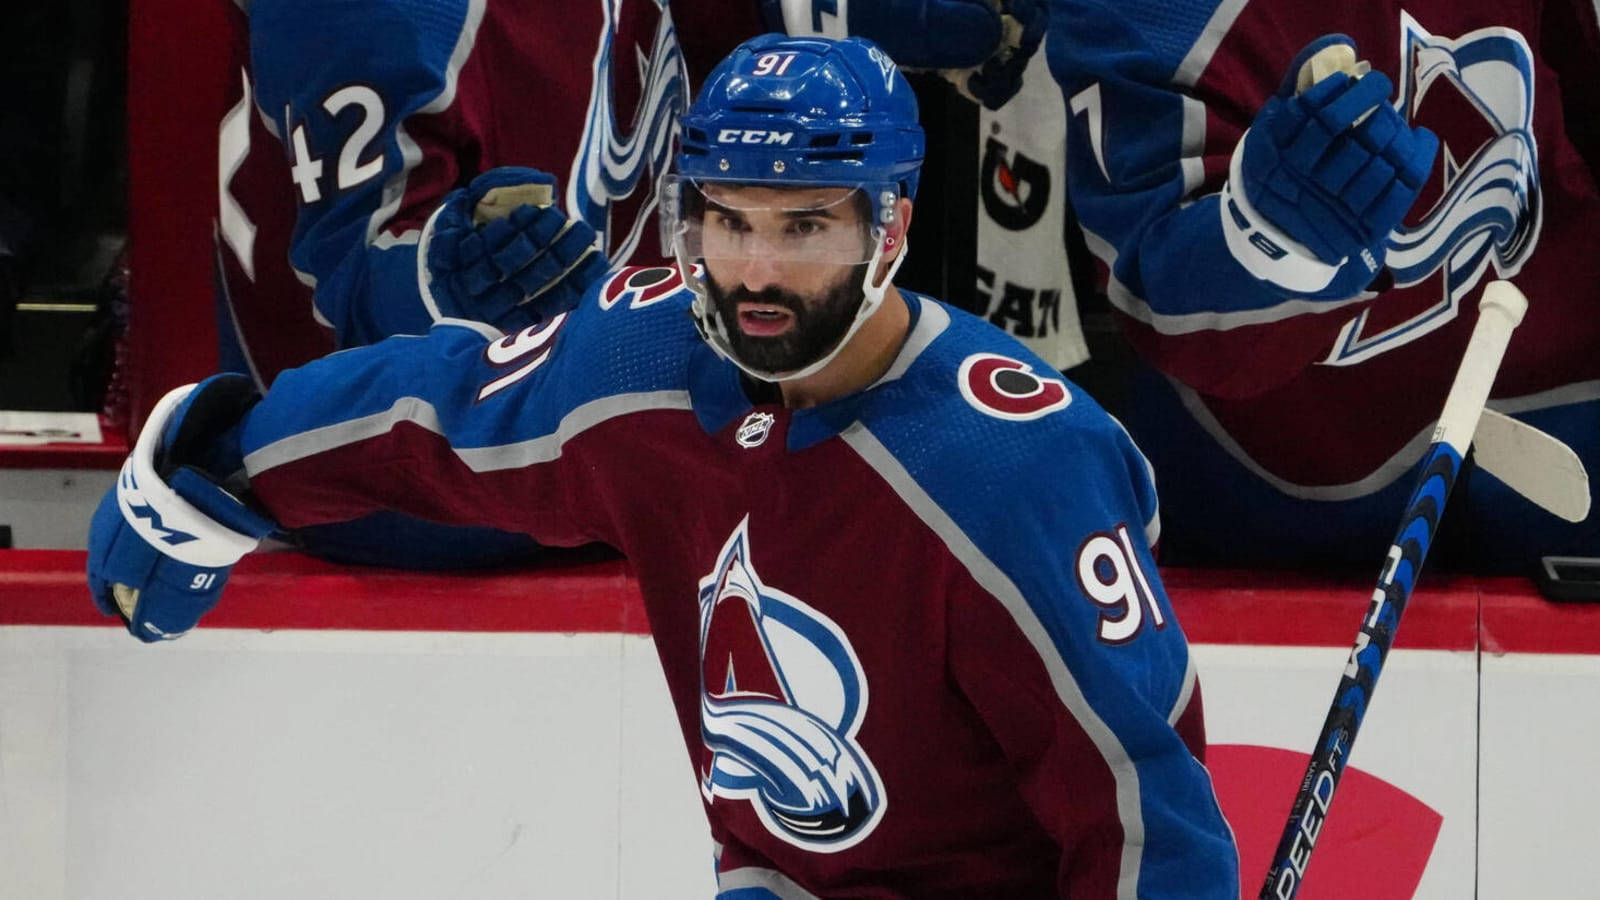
358	94
464	425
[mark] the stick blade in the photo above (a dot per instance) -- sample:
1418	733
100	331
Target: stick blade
1534	464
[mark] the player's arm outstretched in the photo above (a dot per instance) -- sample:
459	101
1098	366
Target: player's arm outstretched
417	425
363	99
1231	220
1074	659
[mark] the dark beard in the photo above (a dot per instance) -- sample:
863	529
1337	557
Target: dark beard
816	328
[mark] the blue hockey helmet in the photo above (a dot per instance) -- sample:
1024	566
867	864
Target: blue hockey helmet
804	110
798	113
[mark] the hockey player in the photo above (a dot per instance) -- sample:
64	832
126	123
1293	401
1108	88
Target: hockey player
912	652
1287	248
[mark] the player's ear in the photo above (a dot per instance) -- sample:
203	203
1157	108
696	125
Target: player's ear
894	242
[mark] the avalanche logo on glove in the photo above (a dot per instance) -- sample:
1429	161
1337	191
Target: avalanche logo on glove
776	673
1477	94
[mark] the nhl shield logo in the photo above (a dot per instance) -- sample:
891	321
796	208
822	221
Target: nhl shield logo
754	429
782	698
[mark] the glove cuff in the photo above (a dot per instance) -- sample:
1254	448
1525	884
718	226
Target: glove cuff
1261	247
425	274
169	522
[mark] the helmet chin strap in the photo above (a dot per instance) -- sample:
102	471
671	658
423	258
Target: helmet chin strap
715	333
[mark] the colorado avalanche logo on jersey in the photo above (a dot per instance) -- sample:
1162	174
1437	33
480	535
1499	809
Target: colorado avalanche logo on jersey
612	165
639	286
782	697
1476	93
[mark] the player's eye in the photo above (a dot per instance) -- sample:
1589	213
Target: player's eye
731	224
806	227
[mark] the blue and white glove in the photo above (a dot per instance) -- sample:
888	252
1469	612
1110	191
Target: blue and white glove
500	251
165	537
981	46
1323	176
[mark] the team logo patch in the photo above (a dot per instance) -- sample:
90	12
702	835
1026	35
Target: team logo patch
1476	92
1009	389
754	429
782	698
642	286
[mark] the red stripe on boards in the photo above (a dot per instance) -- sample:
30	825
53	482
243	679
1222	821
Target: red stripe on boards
289	590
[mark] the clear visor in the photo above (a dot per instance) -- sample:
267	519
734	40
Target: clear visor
736	221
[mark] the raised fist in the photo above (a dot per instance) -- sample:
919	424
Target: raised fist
1325	173
499	251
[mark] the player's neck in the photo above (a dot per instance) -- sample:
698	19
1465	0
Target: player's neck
869	354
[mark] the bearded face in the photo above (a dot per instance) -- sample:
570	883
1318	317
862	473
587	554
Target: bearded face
778	330
785	267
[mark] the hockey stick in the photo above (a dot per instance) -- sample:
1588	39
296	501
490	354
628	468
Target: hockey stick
1499	312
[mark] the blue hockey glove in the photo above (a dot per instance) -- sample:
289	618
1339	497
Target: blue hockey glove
165	537
1324	175
982	46
998	78
500	251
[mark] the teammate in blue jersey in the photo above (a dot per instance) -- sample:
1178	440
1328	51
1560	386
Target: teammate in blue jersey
912	651
1298	250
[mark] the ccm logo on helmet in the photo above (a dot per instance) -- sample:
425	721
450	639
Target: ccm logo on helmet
753	136
1008	389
